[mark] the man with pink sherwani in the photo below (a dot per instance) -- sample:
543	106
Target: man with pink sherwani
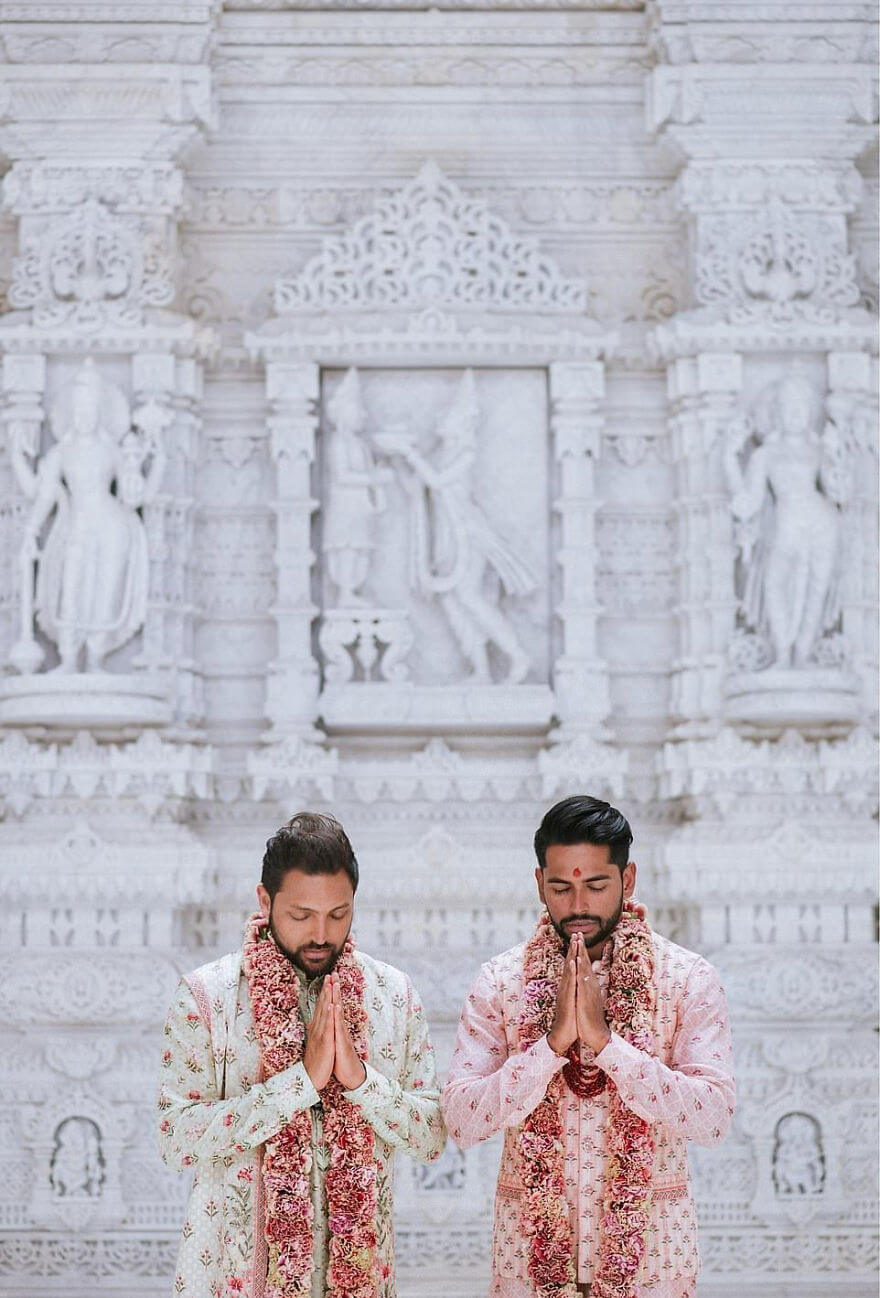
600	1049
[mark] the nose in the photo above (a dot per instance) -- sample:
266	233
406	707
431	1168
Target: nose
320	931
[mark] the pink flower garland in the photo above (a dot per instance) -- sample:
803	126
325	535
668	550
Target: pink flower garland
629	1008
351	1179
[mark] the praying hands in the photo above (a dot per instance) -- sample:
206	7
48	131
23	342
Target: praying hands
580	1010
329	1048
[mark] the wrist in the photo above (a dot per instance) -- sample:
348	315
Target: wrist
556	1046
354	1084
600	1041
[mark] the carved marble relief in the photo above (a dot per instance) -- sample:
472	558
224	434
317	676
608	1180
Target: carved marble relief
432	530
76	1170
798	1156
92	563
788	477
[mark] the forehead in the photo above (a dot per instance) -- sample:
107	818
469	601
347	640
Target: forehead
578	860
315	891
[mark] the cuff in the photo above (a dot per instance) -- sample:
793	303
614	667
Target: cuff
374	1092
619	1058
544	1054
292	1090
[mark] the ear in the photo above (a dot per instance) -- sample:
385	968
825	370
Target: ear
264	899
539	880
629	879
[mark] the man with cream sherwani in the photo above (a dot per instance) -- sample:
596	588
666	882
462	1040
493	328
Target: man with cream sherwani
292	1072
600	1049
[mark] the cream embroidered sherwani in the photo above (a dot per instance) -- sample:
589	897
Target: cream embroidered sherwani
687	1092
216	1113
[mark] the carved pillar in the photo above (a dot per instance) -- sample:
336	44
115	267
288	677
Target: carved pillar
851	404
24	382
167	395
293	684
95	270
766	205
767	375
702	392
580	677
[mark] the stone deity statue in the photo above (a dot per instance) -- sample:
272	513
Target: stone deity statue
798	1163
785	499
454	546
76	1170
355	494
93	566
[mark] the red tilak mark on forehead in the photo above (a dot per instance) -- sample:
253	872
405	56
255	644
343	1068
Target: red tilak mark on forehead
576	872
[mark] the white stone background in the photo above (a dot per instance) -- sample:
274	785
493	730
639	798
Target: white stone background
636	146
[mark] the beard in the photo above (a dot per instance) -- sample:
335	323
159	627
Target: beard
603	930
317	968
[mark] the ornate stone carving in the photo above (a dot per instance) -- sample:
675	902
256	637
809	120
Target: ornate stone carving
785	500
790	481
153	772
292	688
718	775
52	186
89	983
582	763
778	265
91	269
92	572
365	644
354	494
437	773
634	571
798	1156
76	1169
453	543
429	246
580	676
292	769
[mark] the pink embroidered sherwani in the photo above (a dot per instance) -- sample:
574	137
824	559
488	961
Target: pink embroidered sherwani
687	1091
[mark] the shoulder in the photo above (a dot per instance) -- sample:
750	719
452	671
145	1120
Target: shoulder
217	977
507	963
678	965
503	973
386	981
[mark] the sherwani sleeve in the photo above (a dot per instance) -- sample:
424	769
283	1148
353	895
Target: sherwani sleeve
405	1112
695	1094
488	1088
196	1122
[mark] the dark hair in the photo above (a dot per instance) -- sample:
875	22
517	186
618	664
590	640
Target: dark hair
310	842
582	819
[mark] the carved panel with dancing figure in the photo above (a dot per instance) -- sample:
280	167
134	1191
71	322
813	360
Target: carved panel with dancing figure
428	573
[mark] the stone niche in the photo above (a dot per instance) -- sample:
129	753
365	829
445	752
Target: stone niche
404	362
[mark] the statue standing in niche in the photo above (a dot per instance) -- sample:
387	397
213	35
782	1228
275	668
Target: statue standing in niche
798	1162
454	544
93	568
785	502
77	1164
355	494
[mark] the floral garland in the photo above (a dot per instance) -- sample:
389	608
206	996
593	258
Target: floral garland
629	1009
351	1179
